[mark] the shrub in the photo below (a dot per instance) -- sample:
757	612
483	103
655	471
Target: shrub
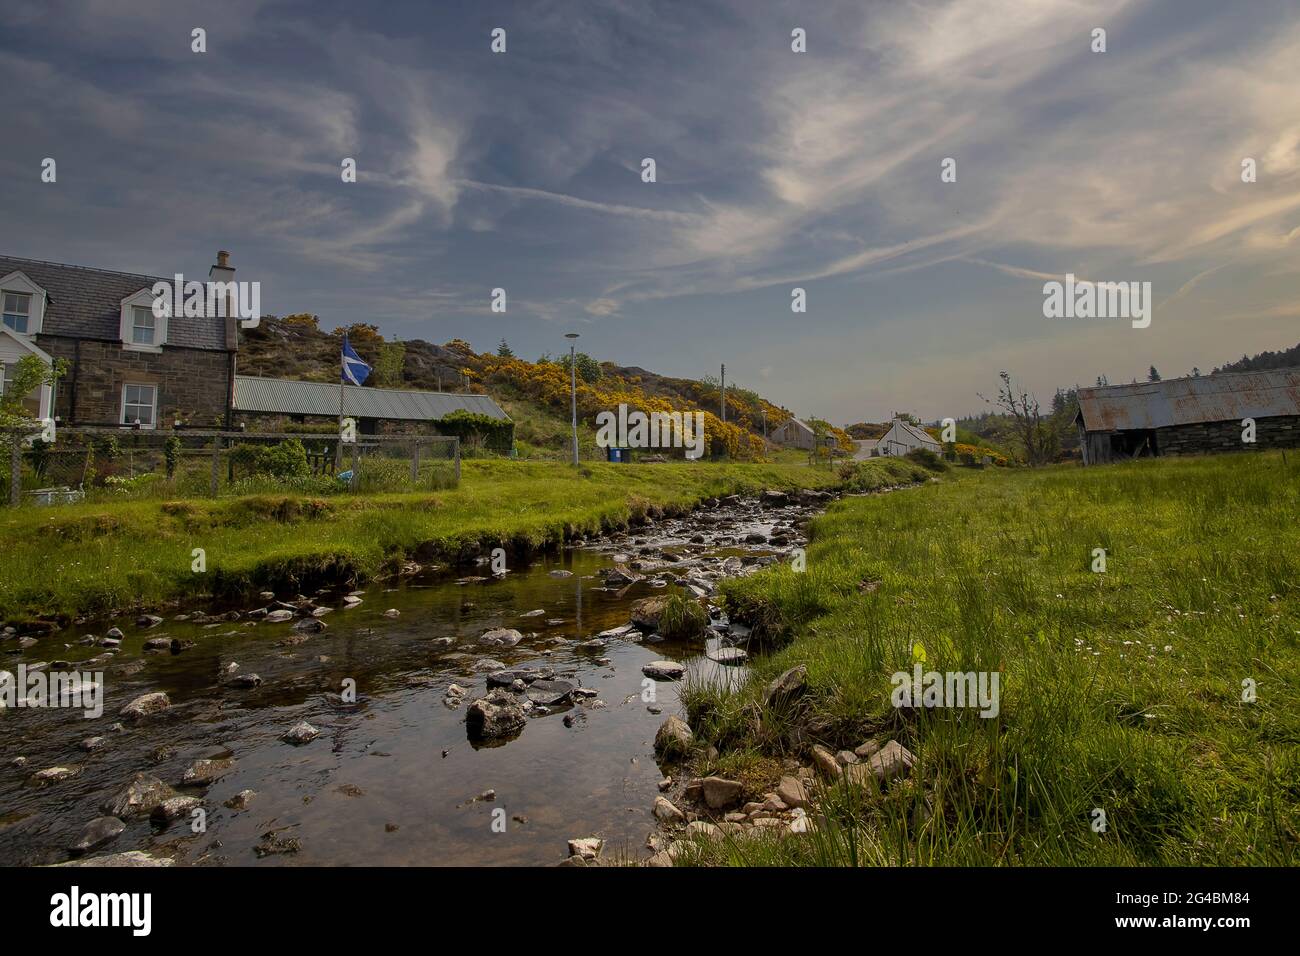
682	617
172	455
109	448
926	459
284	461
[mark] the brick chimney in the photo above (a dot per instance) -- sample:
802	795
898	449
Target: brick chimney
223	271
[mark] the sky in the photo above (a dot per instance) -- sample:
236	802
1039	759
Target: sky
775	170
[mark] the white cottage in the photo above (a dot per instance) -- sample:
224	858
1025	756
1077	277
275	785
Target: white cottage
904	437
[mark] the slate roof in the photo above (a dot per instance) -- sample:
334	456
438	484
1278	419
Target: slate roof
283	397
87	303
919	435
1222	396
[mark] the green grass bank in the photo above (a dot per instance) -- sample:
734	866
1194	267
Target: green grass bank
94	558
1120	690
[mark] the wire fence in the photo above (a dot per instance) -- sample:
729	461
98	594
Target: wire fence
116	464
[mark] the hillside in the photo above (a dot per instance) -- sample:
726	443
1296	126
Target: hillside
535	394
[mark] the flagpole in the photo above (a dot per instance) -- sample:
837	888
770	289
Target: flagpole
338	446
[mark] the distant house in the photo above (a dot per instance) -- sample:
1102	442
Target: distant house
125	366
904	437
272	404
795	434
1186	416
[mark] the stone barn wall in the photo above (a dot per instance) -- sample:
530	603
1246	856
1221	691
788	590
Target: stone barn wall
1281	431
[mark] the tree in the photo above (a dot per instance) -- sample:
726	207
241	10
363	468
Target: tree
359	332
1153	375
16	422
504	351
589	369
389	363
29	373
1036	435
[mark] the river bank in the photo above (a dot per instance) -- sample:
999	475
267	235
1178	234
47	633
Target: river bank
333	727
1142	621
71	563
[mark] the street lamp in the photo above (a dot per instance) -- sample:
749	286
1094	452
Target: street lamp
573	388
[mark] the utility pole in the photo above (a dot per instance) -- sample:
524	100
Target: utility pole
573	389
724	393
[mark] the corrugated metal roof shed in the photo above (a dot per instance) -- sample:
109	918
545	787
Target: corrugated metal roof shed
1226	396
283	397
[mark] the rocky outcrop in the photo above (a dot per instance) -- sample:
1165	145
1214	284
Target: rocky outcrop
891	762
98	832
300	733
501	637
673	738
719	792
493	716
140	796
145	705
786	689
664	670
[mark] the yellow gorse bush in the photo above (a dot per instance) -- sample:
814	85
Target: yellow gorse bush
548	383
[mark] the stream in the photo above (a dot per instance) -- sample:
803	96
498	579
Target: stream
393	778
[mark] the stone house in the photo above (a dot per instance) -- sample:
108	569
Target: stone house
1188	416
125	366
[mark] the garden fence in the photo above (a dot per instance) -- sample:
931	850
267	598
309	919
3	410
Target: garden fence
103	463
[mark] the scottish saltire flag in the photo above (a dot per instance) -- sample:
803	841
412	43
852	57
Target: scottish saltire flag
355	371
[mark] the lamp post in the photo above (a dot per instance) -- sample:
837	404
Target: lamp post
573	388
724	393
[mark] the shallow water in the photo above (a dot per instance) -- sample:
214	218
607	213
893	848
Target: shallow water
392	779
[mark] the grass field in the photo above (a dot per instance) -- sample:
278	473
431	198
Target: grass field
1120	691
94	557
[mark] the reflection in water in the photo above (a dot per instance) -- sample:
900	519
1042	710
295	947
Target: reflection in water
392	779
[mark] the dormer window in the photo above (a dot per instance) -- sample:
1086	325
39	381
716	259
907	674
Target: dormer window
18	311
144	328
24	304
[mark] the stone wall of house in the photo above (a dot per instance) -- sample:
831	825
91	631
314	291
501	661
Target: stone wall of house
1281	431
193	384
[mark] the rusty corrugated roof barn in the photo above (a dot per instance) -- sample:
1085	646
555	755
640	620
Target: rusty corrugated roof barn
1227	396
1190	415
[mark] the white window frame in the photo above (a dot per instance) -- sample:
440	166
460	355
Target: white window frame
18	283
136	310
5	294
131	422
143	300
